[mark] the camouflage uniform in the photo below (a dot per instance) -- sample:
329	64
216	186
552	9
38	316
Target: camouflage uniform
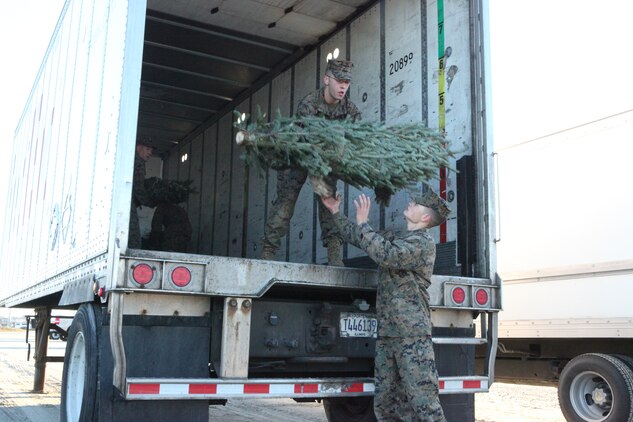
171	228
290	181
139	197
405	373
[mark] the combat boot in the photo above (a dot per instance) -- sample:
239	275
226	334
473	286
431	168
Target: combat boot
268	253
334	254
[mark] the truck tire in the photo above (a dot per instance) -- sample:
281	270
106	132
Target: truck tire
349	409
79	377
596	387
53	335
628	360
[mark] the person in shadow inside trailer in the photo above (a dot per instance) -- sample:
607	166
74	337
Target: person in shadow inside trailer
171	227
140	197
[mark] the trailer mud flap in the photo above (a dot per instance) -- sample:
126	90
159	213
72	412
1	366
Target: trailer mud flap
150	342
456	360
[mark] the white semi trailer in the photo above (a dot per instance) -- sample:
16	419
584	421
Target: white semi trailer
565	254
161	335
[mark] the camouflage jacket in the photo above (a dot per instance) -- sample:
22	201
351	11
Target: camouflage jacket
139	193
405	266
314	104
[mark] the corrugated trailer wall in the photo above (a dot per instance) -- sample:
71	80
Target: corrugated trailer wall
64	161
230	210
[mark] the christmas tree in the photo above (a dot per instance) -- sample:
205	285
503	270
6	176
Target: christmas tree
169	191
363	154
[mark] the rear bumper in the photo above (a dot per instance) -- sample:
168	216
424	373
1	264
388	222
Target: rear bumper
206	389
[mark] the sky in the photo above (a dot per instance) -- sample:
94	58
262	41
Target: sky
555	64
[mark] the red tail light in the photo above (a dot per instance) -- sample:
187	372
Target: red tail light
142	274
459	295
181	276
481	296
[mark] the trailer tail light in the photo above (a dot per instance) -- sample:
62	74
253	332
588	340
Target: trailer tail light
181	276
469	296
482	297
184	277
142	274
164	275
459	295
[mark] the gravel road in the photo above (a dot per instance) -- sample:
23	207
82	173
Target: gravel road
504	402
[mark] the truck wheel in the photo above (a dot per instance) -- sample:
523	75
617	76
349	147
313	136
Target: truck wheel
596	387
53	335
349	409
79	378
628	360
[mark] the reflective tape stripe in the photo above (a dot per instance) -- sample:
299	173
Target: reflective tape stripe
222	389
144	389
306	388
203	388
174	389
354	388
471	384
230	389
285	389
459	385
256	388
244	389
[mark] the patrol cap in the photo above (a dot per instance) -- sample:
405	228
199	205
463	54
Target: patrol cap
432	200
340	69
146	141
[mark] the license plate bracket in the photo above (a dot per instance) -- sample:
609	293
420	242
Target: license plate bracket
355	324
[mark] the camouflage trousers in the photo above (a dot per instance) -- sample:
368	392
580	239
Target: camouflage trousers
407	386
289	184
134	235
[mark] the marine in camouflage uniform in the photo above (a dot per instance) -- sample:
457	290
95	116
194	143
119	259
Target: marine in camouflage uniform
405	373
139	194
290	181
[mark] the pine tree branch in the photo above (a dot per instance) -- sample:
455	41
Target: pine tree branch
363	154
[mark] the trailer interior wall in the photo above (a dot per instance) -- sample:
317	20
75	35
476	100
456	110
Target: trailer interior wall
229	211
566	237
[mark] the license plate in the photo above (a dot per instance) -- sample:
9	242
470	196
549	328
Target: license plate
358	325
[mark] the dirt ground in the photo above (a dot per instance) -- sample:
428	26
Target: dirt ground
518	403
504	402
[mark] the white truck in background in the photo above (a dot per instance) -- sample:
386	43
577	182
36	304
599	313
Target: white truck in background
162	335
565	255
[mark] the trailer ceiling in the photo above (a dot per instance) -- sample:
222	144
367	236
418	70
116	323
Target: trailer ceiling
200	55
